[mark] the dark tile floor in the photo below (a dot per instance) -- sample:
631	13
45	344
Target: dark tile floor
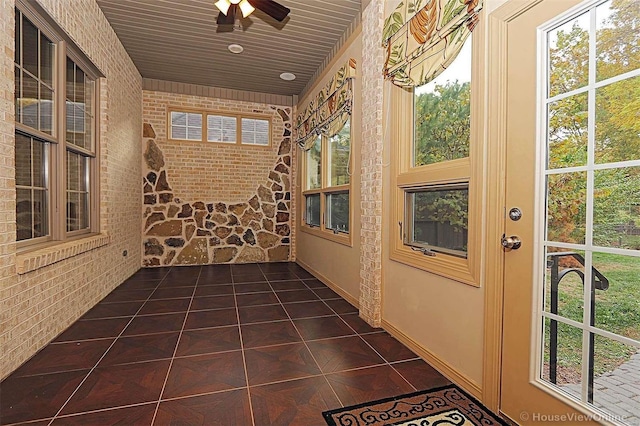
215	345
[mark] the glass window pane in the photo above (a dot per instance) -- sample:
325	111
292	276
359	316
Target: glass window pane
617	305
338	212
340	149
568	131
194	120
221	128
71	78
18	94
47	58
179	118
24	214
39	163
255	131
46	109
178	132
186	126
438	219
563	291
18	50
29	104
618	121
617	38
40	213
23	160
314	165
73	211
312	209
442	113
569	56
77	191
566	207
616	208
562	356
73	172
30	37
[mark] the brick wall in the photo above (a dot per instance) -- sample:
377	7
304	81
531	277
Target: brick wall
371	165
36	306
208	202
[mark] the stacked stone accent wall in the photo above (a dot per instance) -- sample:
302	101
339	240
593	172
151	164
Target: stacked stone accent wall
37	302
371	166
181	230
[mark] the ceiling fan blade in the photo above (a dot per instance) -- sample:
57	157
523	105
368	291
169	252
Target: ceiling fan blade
229	18
271	8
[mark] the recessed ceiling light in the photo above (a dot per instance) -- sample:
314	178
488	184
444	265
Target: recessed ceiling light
235	48
287	76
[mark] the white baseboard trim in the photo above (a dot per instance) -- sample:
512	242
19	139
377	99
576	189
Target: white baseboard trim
333	286
435	361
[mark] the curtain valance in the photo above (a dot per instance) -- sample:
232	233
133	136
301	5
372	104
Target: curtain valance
423	37
329	110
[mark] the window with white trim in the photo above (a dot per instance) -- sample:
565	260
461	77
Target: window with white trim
55	147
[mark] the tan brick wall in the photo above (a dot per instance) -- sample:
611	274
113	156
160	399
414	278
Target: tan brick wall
210	170
371	165
36	306
208	202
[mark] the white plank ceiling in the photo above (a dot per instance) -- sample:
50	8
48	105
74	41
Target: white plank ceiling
177	40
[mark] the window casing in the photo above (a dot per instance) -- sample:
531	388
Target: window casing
435	219
216	127
56	149
327	187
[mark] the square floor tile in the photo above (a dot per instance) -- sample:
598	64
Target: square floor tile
302	274
141	348
215	279
255	299
308	309
288	285
151	273
269	333
390	349
343	353
245	268
420	374
296	296
36	397
358	324
172	293
155	324
314	283
278	363
249	278
134	284
274	267
228	408
326	293
214	318
214	290
140	415
119	385
118	295
93	329
208	340
60	357
165	306
322	327
341	306
213	302
251	314
205	373
281	276
293	403
176	281
368	384
113	310
252	288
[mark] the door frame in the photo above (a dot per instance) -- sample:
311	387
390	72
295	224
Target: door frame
493	276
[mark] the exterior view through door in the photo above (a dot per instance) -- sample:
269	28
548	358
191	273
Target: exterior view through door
571	343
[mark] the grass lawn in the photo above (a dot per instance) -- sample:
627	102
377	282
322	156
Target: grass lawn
617	311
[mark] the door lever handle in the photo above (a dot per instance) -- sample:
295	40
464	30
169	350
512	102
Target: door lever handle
510	243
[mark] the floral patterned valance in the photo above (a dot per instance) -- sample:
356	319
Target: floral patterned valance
329	110
423	37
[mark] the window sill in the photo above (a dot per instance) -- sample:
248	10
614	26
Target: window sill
344	239
39	258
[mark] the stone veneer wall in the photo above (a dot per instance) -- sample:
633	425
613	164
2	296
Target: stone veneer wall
211	202
371	166
38	302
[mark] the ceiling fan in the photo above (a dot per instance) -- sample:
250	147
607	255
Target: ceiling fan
229	10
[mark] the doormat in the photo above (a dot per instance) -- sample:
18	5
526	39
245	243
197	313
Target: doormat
447	405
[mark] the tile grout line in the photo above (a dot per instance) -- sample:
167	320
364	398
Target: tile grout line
105	352
244	359
175	350
309	350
